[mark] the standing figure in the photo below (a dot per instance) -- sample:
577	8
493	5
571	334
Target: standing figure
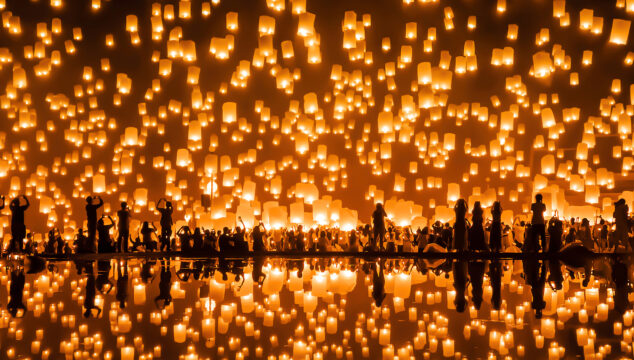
620	219
124	227
146	236
91	220
166	224
378	222
476	232
495	242
258	240
555	232
18	229
460	226
104	243
538	225
225	242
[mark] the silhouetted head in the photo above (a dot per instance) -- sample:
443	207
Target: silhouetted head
539	198
379	206
89	199
124	205
225	230
15	202
497	206
168	203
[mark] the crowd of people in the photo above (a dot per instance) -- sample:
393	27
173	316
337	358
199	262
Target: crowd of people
468	233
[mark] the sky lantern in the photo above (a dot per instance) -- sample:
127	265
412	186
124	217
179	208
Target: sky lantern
131	23
229	110
306	24
620	31
385	122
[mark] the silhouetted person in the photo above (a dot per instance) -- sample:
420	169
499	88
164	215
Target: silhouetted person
495	275
239	243
165	286
91	291
378	285
166	223
124	227
585	234
538	225
300	244
80	242
258	240
476	232
184	234
104	242
18	229
495	237
555	233
122	284
535	277
621	285
226	241
16	291
446	237
54	244
378	222
620	220
197	238
476	276
147	230
460	226
91	221
459	269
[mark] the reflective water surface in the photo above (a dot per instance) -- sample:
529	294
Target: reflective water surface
320	308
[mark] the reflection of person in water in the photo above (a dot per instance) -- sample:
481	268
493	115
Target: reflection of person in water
258	275
495	275
104	285
378	285
555	276
460	285
535	277
16	290
146	271
91	291
621	285
122	284
476	276
165	285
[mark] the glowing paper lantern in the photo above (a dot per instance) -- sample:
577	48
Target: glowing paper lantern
229	112
620	31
